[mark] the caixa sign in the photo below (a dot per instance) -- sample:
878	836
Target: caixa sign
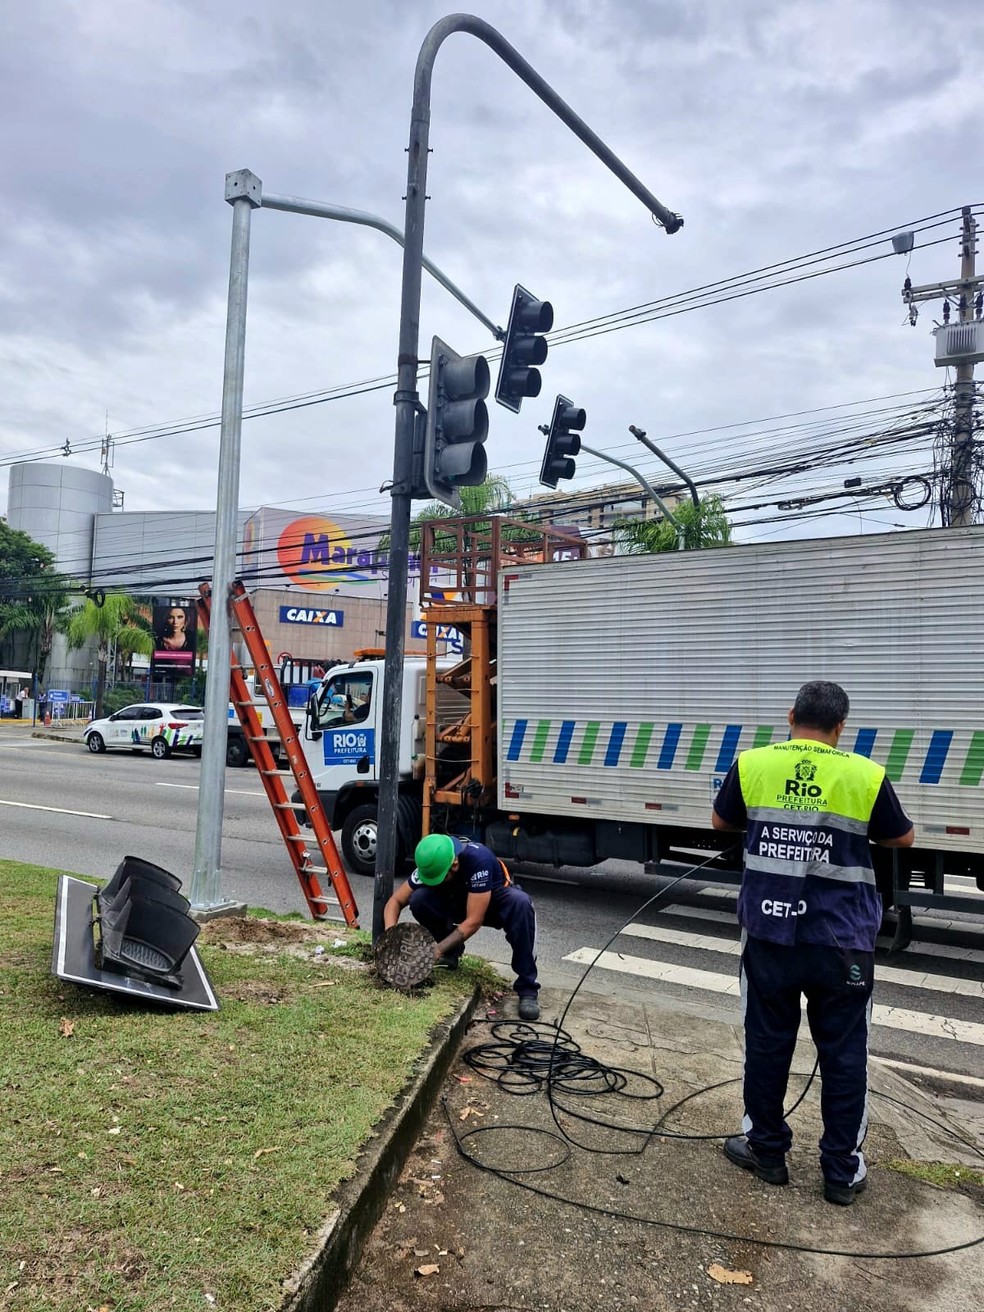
308	615
445	633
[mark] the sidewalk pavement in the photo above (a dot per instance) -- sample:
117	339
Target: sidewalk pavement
576	1226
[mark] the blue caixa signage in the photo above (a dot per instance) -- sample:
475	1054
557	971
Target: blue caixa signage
348	745
309	615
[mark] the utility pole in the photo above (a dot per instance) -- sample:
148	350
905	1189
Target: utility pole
963	488
961	345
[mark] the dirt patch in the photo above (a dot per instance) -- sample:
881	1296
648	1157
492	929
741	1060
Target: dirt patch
250	929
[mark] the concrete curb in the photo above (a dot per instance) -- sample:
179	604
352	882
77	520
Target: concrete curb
359	1203
63	736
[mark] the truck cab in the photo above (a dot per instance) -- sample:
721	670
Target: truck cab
341	738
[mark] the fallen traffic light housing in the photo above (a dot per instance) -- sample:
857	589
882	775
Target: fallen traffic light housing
134	936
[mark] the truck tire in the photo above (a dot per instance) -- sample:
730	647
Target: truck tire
359	840
237	753
359	836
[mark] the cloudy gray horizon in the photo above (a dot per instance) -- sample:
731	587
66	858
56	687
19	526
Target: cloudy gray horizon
776	129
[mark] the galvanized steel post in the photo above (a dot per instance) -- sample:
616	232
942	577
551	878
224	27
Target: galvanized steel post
243	192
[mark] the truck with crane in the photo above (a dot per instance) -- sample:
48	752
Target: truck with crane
601	700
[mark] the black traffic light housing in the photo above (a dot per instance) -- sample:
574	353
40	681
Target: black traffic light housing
522	349
457	423
563	442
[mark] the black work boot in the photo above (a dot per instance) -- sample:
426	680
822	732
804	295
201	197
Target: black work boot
843	1195
770	1169
529	1008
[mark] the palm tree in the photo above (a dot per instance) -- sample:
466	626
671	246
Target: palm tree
704	525
117	621
491	497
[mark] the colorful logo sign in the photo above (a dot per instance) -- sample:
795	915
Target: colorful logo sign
316	554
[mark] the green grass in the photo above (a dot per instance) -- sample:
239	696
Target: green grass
942	1174
151	1158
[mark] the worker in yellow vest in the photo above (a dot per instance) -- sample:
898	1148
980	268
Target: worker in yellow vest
809	912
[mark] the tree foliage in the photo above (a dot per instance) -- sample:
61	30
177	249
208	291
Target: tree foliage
706	525
32	597
118	624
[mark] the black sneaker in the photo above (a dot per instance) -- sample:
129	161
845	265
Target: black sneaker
843	1195
447	961
529	1008
770	1169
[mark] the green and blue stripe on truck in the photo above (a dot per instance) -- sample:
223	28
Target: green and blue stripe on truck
703	746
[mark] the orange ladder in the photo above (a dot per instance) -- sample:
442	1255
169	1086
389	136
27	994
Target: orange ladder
284	810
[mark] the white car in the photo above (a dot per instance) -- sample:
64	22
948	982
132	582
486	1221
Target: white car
161	726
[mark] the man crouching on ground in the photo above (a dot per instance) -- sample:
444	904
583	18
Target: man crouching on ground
459	886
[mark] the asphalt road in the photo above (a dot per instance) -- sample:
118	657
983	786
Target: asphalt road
64	808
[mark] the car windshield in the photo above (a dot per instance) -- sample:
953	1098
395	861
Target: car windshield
189	712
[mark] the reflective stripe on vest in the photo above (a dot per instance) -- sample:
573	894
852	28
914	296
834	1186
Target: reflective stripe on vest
808	811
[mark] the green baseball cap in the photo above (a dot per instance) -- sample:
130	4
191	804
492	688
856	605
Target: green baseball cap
434	855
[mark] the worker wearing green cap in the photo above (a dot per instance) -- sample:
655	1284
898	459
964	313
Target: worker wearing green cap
457	887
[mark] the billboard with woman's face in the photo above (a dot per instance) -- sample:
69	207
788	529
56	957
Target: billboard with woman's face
174	637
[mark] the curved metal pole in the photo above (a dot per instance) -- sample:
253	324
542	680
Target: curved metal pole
650	490
641	436
325	210
407	401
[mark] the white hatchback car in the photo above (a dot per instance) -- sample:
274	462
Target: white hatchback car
161	726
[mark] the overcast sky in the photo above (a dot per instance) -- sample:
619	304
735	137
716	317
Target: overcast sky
776	128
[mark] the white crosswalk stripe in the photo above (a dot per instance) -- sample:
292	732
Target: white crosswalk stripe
898	1018
723	942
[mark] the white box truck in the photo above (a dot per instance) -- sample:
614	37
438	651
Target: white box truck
622	688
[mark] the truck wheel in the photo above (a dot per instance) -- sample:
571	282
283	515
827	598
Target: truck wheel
359	840
160	749
237	753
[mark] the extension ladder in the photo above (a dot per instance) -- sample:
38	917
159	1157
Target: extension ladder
284	810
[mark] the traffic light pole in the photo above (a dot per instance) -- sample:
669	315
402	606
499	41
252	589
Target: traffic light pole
407	400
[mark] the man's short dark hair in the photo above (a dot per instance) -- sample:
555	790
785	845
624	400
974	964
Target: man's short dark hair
820	705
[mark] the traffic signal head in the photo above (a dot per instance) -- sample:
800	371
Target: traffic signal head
563	442
523	349
457	423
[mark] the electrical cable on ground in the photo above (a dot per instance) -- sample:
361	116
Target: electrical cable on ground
523	1061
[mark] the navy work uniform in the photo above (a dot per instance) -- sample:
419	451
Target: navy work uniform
440	907
810	911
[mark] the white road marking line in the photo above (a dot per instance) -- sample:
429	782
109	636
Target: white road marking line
928	1071
917	945
717	892
57	810
897	1018
240	792
626	965
914	979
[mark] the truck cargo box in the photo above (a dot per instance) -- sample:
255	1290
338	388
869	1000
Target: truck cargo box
627	685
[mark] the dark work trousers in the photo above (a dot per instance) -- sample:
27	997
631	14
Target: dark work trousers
440	910
837	986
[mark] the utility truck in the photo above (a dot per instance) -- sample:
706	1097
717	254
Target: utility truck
601	701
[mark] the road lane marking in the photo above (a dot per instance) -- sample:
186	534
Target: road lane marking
240	792
57	810
913	979
920	946
897	1018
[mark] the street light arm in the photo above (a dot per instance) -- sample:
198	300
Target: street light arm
326	210
641	436
650	490
477	27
